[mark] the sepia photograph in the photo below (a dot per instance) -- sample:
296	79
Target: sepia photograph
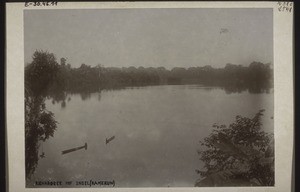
151	97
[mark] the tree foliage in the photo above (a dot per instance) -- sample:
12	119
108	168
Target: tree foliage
41	72
257	77
240	154
39	122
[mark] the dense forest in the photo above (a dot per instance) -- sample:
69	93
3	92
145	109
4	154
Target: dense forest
256	77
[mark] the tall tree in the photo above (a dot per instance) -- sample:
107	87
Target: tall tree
41	72
39	122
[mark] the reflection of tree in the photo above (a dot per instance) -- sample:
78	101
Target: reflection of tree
63	104
85	95
241	154
39	122
254	89
99	95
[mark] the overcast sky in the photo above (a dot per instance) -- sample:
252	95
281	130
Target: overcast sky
151	37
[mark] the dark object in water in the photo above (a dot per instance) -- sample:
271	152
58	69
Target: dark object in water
74	149
224	30
109	140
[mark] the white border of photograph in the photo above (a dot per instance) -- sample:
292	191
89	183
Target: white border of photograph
283	90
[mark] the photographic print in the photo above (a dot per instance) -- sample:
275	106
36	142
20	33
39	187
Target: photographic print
149	97
152	97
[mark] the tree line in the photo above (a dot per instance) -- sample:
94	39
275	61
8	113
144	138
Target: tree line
256	77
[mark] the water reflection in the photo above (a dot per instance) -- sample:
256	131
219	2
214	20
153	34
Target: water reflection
250	89
85	96
63	104
156	129
61	97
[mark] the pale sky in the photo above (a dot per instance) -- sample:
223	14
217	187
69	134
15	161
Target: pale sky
152	37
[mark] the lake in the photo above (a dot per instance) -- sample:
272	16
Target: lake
157	131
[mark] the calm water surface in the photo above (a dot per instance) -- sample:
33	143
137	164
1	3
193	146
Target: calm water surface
157	131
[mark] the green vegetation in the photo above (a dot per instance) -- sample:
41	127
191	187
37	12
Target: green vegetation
238	155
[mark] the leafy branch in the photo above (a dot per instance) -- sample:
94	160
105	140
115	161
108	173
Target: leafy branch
240	154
